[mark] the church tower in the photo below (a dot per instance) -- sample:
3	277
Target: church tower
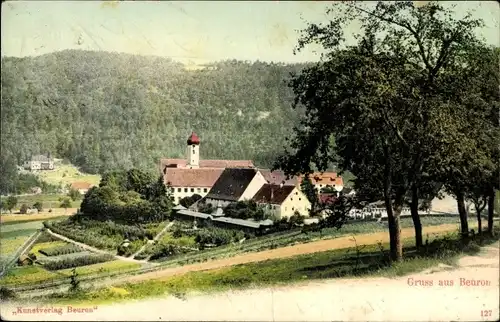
193	151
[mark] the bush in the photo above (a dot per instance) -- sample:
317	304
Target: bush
296	219
23	209
61	250
38	206
77	261
46	237
7	294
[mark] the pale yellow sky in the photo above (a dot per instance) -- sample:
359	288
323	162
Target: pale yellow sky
190	32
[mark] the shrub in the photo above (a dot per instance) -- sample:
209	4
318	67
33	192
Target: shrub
38	206
61	250
296	219
45	237
7	294
23	209
77	261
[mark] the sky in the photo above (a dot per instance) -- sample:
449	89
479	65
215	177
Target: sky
191	32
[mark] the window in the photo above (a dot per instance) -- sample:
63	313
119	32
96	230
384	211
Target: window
300	199
199	189
185	189
285	209
296	193
179	189
204	189
293	208
291	199
194	151
192	189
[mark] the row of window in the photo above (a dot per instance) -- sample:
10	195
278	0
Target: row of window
192	189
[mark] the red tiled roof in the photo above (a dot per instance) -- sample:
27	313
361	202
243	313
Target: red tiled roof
193	139
277	177
81	185
191	177
272	193
326	178
218	164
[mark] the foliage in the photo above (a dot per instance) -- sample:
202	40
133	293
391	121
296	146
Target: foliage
24	209
296	219
132	247
128	196
50	103
7	294
19	183
188	201
245	209
10	203
77	261
206	208
38	206
390	105
74	194
65	203
74	282
311	193
61	250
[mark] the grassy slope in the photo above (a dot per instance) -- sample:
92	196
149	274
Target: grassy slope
65	174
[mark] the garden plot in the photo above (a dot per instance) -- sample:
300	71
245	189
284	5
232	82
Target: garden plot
107	235
12	237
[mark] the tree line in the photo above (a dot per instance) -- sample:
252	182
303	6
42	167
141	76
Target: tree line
105	111
410	109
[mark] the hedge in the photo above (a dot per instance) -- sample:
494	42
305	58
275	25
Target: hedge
61	250
78	261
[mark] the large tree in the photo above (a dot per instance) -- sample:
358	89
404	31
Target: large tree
379	98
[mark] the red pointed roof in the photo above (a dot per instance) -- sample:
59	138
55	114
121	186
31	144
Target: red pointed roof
193	139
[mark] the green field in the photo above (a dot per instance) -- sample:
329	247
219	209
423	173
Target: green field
65	174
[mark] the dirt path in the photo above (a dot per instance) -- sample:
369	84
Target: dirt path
289	251
93	249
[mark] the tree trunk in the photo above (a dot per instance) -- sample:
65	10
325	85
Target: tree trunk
491	210
464	225
392	214
415	217
479	223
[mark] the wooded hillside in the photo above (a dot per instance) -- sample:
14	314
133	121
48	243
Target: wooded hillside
106	111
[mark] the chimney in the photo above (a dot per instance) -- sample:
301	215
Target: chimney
281	184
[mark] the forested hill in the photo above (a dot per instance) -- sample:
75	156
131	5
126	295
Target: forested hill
107	110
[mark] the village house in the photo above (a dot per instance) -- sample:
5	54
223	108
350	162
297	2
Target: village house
193	175
39	162
322	180
81	186
278	177
233	185
283	200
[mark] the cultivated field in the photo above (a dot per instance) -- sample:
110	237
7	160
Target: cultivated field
56	213
55	259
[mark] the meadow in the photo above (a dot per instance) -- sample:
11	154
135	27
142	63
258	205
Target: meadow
65	174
